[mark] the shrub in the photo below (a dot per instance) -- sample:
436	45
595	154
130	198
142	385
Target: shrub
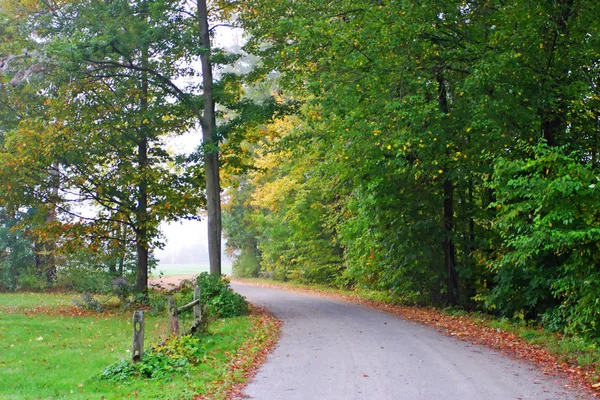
83	278
122	288
547	215
160	361
88	302
30	281
222	301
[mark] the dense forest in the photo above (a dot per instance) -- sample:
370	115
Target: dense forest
439	152
446	152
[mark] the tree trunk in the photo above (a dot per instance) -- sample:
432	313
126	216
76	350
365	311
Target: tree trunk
46	260
210	146
448	215
112	264
448	244
122	247
141	231
554	116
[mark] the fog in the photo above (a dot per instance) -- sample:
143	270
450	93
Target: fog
186	243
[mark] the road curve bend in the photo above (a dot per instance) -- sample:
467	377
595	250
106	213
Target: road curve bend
333	350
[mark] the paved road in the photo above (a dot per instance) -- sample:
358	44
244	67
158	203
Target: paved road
332	350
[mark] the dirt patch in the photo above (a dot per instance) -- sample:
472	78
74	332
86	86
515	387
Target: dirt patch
169	282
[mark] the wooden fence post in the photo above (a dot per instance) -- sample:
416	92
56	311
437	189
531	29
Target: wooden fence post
174	327
197	307
138	336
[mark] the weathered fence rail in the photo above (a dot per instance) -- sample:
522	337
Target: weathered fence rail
174	313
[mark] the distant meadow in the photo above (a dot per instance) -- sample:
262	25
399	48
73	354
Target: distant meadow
188	269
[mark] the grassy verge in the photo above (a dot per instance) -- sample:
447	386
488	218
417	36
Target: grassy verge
571	356
51	349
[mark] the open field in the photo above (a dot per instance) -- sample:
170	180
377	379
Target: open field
186	269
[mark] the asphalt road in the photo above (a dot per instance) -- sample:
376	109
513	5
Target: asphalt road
335	350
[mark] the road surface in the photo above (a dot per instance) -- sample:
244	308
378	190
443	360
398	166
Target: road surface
332	350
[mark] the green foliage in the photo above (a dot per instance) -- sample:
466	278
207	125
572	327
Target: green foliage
122	288
175	356
246	265
84	278
548	219
218	296
29	280
90	303
417	116
16	253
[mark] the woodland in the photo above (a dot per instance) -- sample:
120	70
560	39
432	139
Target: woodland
438	152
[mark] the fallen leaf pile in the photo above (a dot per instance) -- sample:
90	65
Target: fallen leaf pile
472	331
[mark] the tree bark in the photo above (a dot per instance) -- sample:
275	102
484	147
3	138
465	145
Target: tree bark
46	259
448	215
210	145
122	247
448	244
141	231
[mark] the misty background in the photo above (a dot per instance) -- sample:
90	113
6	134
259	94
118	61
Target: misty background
186	249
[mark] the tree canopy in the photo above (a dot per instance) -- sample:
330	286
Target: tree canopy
440	152
446	153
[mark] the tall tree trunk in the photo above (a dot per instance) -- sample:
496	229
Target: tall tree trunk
210	145
141	231
122	247
113	260
448	243
45	258
448	214
554	116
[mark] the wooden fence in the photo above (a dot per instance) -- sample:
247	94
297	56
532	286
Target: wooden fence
174	312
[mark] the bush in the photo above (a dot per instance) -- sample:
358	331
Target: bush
161	361
88	302
30	281
122	288
81	278
547	268
222	301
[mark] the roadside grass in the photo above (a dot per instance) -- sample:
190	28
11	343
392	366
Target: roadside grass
49	353
568	351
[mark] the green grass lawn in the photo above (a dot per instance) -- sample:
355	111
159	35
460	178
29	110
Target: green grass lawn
186	269
52	353
31	300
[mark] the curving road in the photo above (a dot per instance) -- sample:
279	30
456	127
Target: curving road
332	350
